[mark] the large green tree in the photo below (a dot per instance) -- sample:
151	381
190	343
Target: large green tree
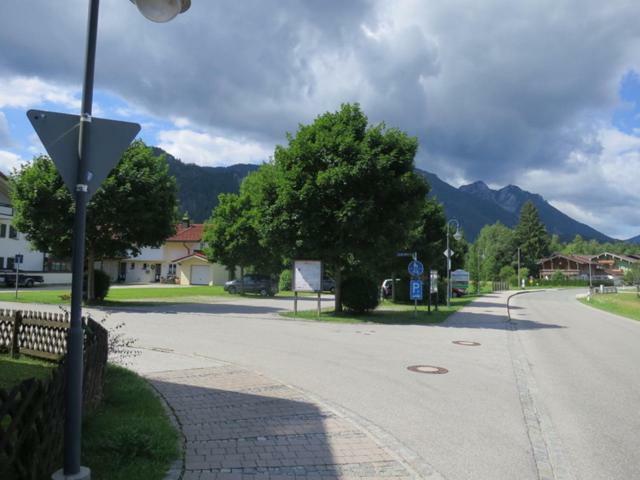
346	193
134	208
233	233
494	249
532	237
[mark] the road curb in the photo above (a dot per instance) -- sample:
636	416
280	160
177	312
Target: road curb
177	468
547	450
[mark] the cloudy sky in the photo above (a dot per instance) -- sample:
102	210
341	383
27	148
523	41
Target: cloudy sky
541	94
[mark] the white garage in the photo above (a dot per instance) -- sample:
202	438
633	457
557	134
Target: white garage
200	274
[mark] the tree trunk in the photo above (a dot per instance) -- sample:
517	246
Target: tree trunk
91	290
338	297
241	280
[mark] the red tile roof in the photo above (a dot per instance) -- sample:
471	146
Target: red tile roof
192	233
198	255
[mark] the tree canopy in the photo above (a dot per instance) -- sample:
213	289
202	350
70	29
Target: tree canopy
531	237
134	208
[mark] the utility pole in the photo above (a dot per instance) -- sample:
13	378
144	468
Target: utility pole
518	267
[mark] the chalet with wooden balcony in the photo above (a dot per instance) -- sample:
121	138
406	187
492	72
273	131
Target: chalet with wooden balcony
571	266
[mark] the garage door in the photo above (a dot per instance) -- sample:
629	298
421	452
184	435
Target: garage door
200	274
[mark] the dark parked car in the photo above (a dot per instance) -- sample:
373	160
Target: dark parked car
27	280
253	283
457	292
328	284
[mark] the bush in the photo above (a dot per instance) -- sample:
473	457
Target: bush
102	282
285	280
360	294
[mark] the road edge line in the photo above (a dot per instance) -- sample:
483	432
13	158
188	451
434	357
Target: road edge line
546	446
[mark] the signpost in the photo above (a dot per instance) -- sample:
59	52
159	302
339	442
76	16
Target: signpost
306	277
18	260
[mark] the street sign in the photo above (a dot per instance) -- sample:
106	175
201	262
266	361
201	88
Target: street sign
448	253
19	258
434	281
415	268
59	132
415	289
404	254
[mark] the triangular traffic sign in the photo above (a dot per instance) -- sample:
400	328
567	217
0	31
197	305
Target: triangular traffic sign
58	133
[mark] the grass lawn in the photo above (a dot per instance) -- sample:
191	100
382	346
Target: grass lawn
119	296
388	313
14	370
625	304
129	435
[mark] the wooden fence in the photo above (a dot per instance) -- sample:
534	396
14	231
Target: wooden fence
32	413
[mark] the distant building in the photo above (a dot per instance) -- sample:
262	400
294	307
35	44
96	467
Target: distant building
571	266
616	264
179	260
605	266
14	243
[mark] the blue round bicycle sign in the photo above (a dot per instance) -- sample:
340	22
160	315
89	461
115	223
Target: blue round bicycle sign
416	268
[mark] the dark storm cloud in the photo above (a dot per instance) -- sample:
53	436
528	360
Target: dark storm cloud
492	89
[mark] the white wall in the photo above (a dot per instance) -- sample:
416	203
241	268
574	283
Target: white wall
10	247
56	278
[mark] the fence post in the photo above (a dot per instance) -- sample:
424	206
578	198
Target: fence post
15	337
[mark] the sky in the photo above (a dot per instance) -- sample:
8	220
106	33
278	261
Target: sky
541	94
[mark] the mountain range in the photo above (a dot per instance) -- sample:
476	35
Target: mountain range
474	205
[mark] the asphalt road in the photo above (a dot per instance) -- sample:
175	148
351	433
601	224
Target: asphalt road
587	370
552	394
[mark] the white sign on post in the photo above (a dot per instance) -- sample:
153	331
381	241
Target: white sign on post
307	276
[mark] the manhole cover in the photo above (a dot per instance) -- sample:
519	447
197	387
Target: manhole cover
427	369
466	343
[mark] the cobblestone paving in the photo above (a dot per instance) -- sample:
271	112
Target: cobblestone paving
238	424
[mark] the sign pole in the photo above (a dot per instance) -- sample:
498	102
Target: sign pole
17	262
73	362
295	303
319	306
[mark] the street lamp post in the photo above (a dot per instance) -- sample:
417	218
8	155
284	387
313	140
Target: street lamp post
518	267
457	236
157	11
478	281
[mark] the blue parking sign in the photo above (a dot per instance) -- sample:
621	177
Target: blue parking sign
415	289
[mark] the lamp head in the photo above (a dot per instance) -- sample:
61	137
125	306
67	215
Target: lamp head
457	235
161	11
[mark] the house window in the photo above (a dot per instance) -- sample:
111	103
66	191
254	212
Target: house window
3	230
172	269
53	265
10	263
132	266
144	266
1	262
13	233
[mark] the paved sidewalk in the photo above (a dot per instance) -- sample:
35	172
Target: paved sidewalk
239	424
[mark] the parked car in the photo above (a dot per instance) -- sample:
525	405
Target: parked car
253	283
457	292
328	284
24	279
386	289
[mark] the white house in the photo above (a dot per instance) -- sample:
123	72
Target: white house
14	243
180	260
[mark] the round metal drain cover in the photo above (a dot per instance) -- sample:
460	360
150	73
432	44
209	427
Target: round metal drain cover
466	343
427	369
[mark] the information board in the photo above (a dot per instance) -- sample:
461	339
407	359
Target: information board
307	276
